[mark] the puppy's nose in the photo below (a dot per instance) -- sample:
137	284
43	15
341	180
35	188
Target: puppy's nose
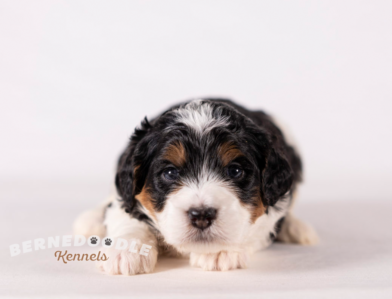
202	218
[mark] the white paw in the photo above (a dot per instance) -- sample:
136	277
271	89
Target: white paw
221	261
128	263
90	223
298	232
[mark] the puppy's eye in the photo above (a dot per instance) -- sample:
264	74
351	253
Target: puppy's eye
170	174
235	171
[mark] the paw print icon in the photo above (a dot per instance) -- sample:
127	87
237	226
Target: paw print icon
93	241
108	242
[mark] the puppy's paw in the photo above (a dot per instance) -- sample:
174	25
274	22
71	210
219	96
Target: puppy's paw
90	223
128	263
221	261
298	232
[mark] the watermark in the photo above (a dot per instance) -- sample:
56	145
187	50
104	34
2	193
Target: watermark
70	257
77	241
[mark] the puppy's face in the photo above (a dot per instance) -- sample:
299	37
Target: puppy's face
202	189
199	174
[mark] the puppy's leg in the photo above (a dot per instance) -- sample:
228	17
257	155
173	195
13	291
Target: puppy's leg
91	222
295	231
221	261
121	225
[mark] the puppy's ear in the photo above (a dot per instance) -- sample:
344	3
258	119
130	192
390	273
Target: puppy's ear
277	177
133	164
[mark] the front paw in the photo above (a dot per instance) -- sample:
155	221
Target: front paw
221	261
128	263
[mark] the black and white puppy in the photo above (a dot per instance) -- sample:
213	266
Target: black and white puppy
206	178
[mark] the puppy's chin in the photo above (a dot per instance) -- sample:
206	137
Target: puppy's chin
206	241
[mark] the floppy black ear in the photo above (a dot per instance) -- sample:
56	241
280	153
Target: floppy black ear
133	164
277	177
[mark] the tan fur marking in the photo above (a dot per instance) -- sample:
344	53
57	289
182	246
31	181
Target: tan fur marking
136	169
255	210
146	200
176	154
228	152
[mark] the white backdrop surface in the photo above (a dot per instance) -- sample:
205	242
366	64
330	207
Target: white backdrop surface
77	76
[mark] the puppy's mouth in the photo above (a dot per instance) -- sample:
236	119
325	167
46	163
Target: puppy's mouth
207	240
202	236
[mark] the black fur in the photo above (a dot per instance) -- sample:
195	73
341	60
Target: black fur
278	225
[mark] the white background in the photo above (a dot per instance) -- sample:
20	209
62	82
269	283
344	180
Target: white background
76	77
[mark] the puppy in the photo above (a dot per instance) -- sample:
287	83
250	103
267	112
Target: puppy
207	178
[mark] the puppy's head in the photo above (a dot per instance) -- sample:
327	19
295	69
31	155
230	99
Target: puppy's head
203	173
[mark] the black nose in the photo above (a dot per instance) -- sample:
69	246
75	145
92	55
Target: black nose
202	218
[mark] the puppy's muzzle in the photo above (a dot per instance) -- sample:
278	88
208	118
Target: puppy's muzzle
202	218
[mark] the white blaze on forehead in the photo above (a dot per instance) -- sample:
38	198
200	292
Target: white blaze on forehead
199	116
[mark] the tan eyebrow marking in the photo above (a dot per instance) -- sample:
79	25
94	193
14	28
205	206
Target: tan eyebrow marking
228	152
176	154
